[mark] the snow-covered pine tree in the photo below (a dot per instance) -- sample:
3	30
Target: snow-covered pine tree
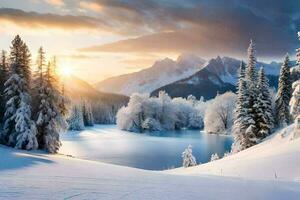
39	103
50	121
244	126
3	79
295	108
75	120
19	129
251	74
251	96
88	118
263	107
241	74
242	119
188	159
282	115
295	100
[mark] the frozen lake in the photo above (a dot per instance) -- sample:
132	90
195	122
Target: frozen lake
156	151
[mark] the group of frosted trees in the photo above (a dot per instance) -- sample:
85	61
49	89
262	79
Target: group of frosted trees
33	109
81	115
218	116
255	117
145	113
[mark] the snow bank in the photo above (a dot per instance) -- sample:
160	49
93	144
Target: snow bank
35	175
277	158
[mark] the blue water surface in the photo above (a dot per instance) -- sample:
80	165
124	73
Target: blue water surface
152	151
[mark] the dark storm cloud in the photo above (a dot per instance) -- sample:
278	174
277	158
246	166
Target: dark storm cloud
208	27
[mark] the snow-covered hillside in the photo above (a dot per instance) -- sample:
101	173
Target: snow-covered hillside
247	175
159	74
277	158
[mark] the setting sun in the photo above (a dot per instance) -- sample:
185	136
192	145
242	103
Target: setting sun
65	70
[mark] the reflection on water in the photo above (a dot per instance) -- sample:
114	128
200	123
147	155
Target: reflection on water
154	151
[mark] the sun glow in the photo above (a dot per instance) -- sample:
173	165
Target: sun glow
65	70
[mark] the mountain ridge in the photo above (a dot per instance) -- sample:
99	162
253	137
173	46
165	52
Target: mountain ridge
218	76
161	73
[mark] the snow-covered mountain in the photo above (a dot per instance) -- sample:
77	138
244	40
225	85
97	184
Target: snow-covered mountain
218	75
161	73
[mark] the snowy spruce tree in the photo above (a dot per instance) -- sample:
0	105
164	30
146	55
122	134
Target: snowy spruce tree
244	123
19	130
283	95
295	100
75	120
241	118
295	108
88	118
251	80
3	79
253	119
188	159
263	107
49	119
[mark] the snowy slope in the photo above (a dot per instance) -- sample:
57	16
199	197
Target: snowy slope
159	74
277	158
246	175
36	175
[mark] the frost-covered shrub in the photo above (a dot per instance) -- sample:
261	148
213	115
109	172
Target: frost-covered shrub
219	114
151	124
214	157
188	160
75	120
160	113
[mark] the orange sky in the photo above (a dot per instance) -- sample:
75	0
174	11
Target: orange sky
102	38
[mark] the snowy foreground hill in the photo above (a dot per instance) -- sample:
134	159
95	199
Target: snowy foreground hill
267	171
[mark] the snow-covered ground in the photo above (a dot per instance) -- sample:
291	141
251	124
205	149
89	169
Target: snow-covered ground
246	175
278	158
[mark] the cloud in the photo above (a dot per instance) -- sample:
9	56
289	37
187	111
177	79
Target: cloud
55	2
90	6
47	21
207	27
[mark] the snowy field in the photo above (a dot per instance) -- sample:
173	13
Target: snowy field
158	151
246	175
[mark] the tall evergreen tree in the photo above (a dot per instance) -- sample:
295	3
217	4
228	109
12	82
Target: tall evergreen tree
50	121
251	95
75	120
88	118
240	124
251	69
3	79
19	129
245	128
263	107
283	95
241	74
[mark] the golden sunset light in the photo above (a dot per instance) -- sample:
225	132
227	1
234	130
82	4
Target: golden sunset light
150	99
